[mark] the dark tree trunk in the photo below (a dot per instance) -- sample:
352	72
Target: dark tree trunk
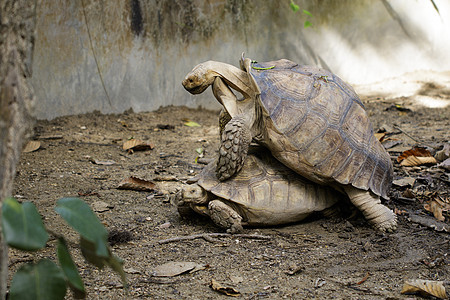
17	26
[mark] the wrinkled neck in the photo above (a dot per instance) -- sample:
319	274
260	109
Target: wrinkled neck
233	76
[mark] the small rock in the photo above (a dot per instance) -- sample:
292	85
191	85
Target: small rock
132	271
164	225
100	206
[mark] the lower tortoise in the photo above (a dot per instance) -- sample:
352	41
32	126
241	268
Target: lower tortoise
264	192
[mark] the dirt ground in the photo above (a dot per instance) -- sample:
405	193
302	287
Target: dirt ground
337	258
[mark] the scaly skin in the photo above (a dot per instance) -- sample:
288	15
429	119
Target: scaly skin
378	215
235	141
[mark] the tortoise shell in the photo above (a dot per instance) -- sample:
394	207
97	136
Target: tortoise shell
266	192
316	125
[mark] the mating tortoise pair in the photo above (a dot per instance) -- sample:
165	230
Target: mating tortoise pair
310	120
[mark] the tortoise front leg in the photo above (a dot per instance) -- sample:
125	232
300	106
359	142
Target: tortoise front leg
235	140
225	216
377	214
235	136
224	118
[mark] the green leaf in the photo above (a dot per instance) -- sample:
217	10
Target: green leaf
192	124
307	24
260	68
117	265
294	6
70	270
80	216
307	13
43	280
88	251
22	225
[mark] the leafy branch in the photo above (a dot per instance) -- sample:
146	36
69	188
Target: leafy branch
296	8
23	229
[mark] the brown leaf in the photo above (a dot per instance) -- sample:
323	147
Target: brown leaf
403	182
425	287
415	157
137	145
417	161
380	136
174	268
137	184
435	208
31	146
229	291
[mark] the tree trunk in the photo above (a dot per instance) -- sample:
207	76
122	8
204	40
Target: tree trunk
17	26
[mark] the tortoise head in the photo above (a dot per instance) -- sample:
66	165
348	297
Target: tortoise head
198	80
204	75
194	194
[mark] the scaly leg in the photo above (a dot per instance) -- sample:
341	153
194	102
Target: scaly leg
380	216
225	216
235	140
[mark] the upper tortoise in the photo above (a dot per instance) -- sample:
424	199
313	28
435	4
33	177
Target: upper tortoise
310	120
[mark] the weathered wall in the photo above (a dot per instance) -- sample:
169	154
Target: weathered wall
116	54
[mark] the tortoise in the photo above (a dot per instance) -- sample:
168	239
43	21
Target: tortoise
311	121
263	193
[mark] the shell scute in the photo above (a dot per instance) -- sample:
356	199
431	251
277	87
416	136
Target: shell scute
307	130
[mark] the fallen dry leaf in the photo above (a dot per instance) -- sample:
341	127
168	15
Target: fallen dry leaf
425	287
434	207
174	268
403	182
229	291
137	184
31	146
415	157
380	135
137	145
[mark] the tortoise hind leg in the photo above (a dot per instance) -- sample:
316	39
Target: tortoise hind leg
380	216
225	216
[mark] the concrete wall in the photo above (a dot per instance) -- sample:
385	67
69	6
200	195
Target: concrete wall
116	54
